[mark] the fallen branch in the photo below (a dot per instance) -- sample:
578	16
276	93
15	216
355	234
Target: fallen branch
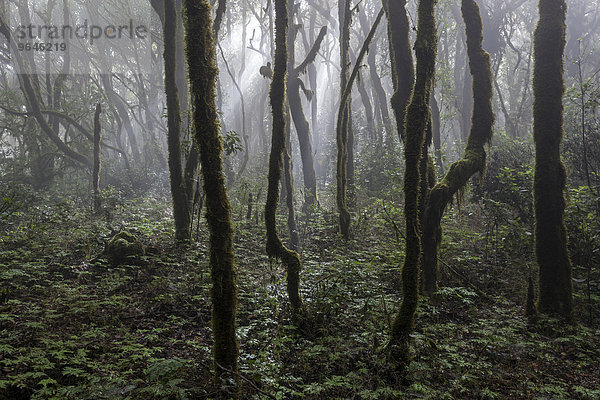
246	379
467	281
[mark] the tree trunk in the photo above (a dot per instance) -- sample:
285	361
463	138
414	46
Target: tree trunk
294	84
200	51
473	159
275	248
437	134
342	130
403	74
303	132
181	205
366	100
312	79
417	119
97	154
555	291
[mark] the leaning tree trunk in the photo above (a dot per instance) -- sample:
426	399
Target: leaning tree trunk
417	119
304	139
275	248
555	291
294	84
181	204
200	51
474	158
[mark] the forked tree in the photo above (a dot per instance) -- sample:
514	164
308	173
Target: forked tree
403	72
417	120
473	160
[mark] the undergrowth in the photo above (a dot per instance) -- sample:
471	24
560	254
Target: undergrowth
74	327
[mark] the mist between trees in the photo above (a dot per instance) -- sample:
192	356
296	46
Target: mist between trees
299	199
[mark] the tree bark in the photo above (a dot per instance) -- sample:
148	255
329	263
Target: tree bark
97	155
342	128
555	290
417	119
275	248
294	84
403	74
474	157
201	51
181	210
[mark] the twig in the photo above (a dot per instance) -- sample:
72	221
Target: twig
396	228
466	280
247	380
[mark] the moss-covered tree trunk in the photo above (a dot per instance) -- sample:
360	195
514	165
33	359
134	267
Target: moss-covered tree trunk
342	129
474	157
181	205
417	120
200	51
403	74
555	289
97	155
275	248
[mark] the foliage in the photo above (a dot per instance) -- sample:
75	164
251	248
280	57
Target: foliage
379	171
583	223
74	328
232	143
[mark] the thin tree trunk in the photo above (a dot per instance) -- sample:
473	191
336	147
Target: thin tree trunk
366	100
97	155
294	84
312	79
436	131
181	205
275	248
403	74
417	119
342	127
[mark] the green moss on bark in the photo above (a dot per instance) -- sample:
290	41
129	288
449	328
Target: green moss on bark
473	160
275	248
417	119
343	126
555	290
200	51
179	194
403	74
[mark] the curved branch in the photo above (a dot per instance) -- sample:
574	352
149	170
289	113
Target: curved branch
70	120
473	160
312	54
365	47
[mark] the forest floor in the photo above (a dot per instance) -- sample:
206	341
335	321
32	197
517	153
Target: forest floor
73	327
